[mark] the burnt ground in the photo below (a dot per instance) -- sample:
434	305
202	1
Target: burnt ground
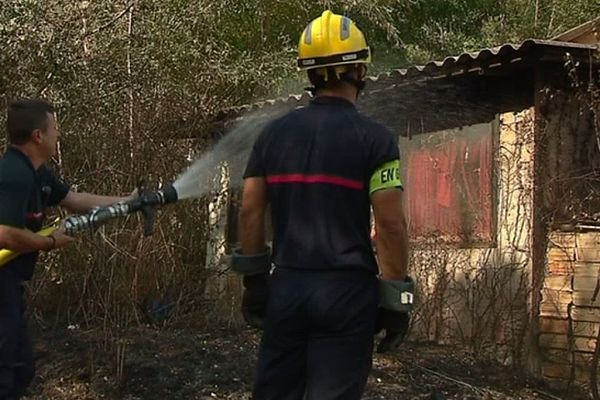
167	364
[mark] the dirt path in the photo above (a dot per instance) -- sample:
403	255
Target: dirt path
161	365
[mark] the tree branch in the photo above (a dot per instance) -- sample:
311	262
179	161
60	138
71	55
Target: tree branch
109	23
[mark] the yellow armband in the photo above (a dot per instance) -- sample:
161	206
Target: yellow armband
387	176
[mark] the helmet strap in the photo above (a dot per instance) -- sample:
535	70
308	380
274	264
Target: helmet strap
359	84
312	90
331	74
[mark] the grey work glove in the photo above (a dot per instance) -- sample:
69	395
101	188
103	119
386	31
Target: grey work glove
254	299
395	324
255	271
393	315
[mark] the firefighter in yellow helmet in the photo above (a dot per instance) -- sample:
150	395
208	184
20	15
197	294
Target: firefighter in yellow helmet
321	168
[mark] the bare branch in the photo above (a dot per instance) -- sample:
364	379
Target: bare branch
111	22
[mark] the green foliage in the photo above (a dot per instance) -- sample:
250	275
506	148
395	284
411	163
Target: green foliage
436	29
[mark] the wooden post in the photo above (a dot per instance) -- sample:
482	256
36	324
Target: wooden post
539	230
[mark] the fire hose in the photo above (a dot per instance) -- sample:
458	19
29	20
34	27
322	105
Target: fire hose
145	202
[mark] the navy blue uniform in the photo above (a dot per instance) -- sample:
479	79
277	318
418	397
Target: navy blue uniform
24	194
318	337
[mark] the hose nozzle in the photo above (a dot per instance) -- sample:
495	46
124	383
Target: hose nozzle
147	201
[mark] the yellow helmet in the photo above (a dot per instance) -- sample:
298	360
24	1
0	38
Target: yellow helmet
332	40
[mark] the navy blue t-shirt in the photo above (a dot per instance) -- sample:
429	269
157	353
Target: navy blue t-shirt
317	162
24	195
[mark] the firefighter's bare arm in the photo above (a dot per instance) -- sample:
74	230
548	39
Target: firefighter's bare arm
83	202
252	216
24	241
396	287
392	234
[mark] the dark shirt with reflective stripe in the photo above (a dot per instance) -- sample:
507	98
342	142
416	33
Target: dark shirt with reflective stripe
317	162
24	194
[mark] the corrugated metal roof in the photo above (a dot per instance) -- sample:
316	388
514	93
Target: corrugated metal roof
486	58
494	61
587	28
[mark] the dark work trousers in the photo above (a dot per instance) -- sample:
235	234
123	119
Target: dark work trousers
317	342
16	354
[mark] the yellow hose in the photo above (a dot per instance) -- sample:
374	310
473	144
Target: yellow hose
7	255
